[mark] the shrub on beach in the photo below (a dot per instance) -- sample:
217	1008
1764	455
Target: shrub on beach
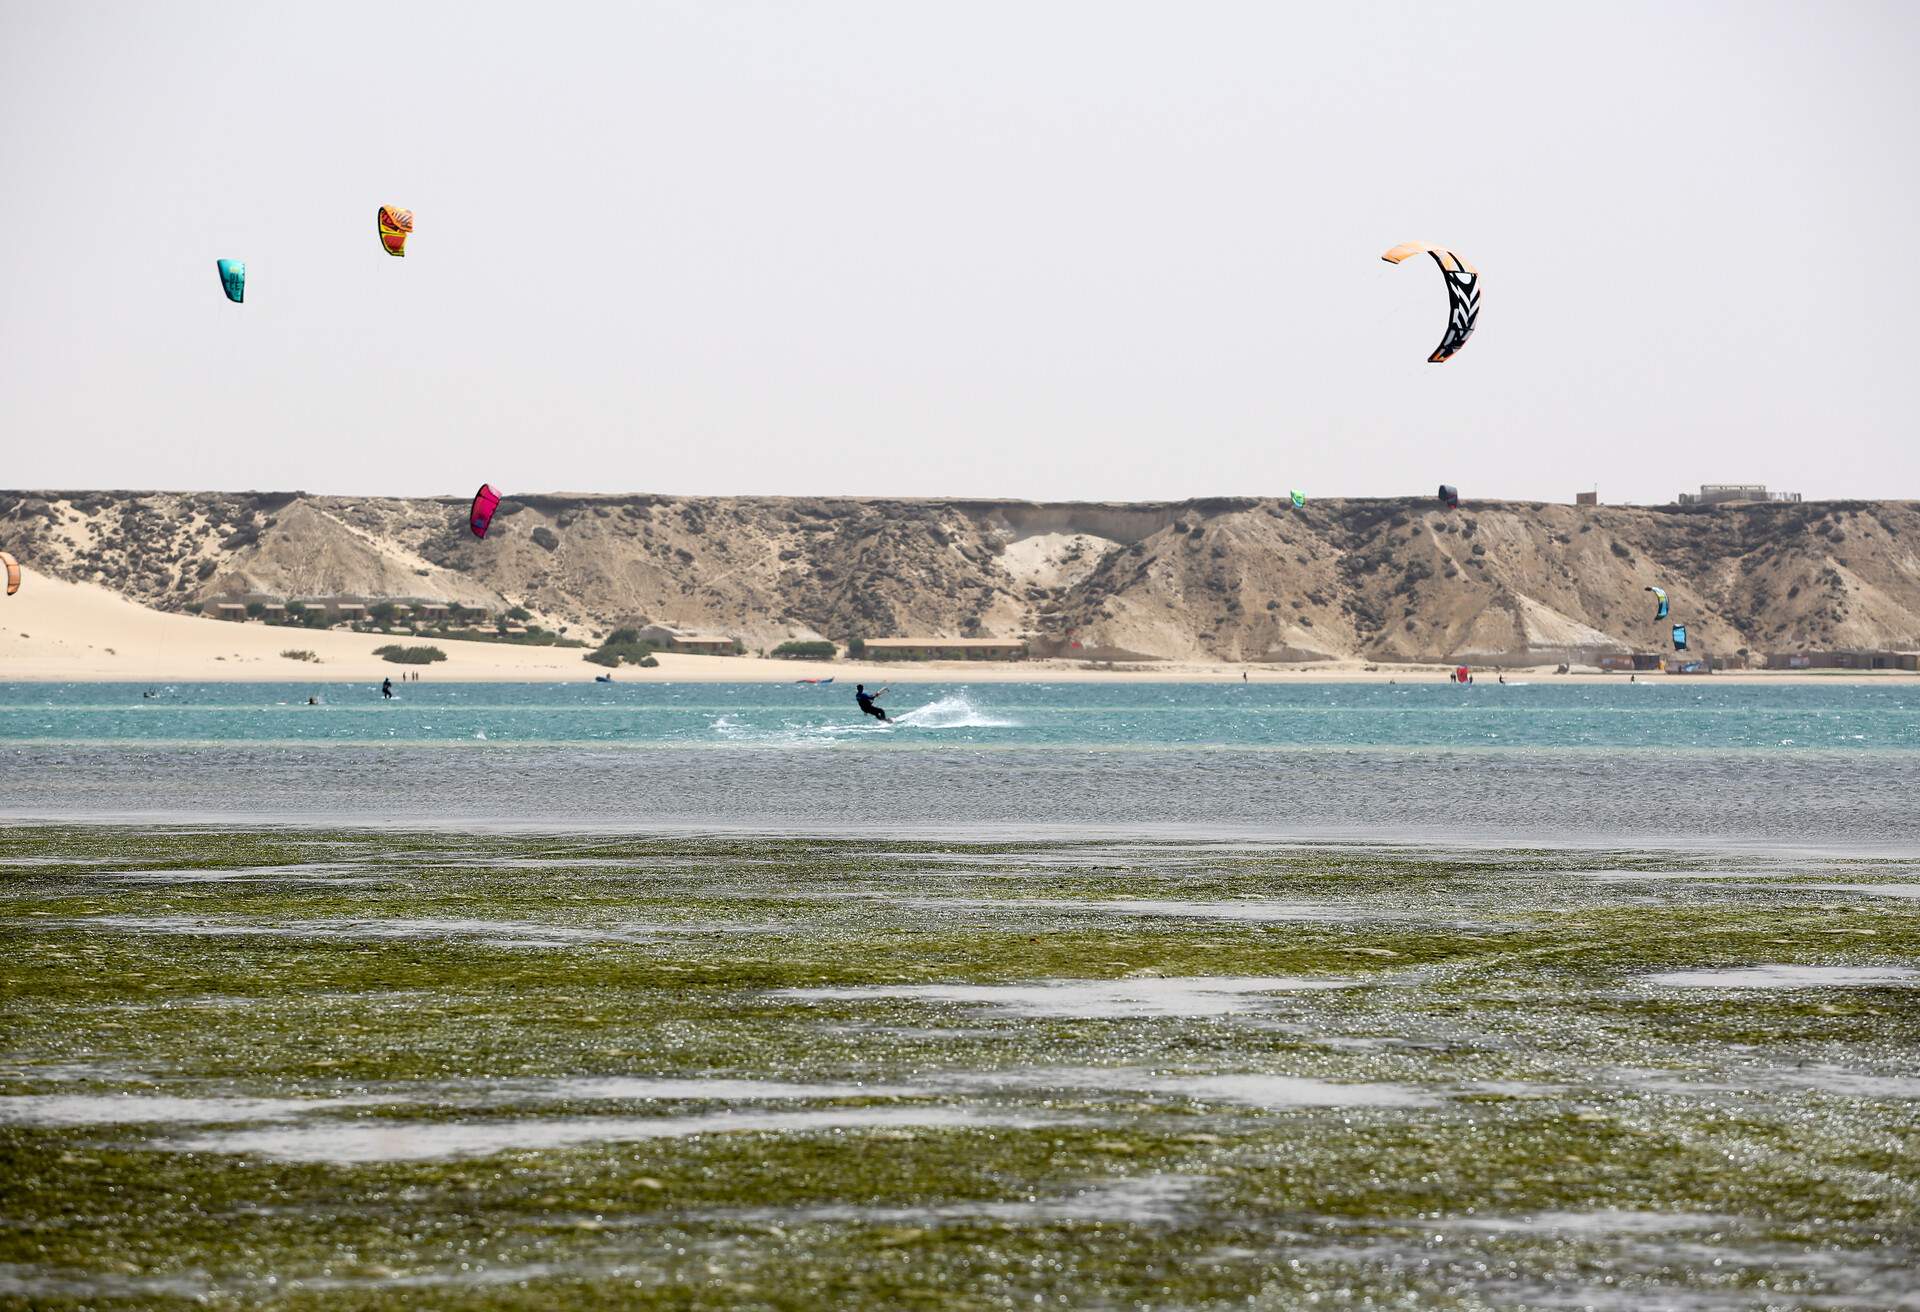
601	656
399	655
623	646
300	654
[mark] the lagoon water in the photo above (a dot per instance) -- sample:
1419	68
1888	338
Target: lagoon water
1530	761
1571	996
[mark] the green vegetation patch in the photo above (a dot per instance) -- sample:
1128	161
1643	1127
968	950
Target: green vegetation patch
623	646
419	655
359	1069
806	651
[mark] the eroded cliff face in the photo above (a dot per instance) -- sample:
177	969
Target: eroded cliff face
1231	578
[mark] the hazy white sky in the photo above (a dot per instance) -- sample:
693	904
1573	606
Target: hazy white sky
1052	250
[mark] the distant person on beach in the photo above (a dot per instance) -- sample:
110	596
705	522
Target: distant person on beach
865	699
386	689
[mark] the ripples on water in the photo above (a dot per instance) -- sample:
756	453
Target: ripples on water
1655	762
1431	713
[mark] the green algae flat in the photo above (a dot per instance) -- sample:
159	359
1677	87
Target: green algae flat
350	1069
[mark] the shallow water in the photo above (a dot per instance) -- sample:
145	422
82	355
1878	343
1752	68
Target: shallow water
497	933
1021	1073
1787	977
1216	995
363	1143
1580	996
55	1110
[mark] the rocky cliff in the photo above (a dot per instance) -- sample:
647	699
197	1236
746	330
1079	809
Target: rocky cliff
1232	579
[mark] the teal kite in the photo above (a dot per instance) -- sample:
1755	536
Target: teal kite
1299	499
233	278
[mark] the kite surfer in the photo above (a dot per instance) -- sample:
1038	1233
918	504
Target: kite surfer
865	699
386	689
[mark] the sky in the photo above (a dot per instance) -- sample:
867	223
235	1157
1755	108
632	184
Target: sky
1073	250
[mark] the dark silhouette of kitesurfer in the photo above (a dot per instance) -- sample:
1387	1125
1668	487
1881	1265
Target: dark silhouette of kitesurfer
386	689
867	704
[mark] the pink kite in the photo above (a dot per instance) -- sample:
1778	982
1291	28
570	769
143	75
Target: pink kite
485	502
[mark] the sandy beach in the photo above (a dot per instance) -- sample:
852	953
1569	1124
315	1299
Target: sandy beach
58	632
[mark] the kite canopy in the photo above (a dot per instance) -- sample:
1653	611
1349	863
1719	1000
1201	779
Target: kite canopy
1463	294
13	572
395	223
485	502
1679	637
1299	499
1450	497
1461	674
233	278
1660	599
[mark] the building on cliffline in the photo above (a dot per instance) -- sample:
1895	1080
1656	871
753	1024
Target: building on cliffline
665	638
945	649
1720	494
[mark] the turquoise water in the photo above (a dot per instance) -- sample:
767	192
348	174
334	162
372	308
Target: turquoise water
1538	714
1688	764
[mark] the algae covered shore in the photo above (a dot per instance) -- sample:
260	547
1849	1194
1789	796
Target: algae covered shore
357	1069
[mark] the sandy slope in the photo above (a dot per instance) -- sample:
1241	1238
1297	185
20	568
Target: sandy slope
1215	580
54	631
